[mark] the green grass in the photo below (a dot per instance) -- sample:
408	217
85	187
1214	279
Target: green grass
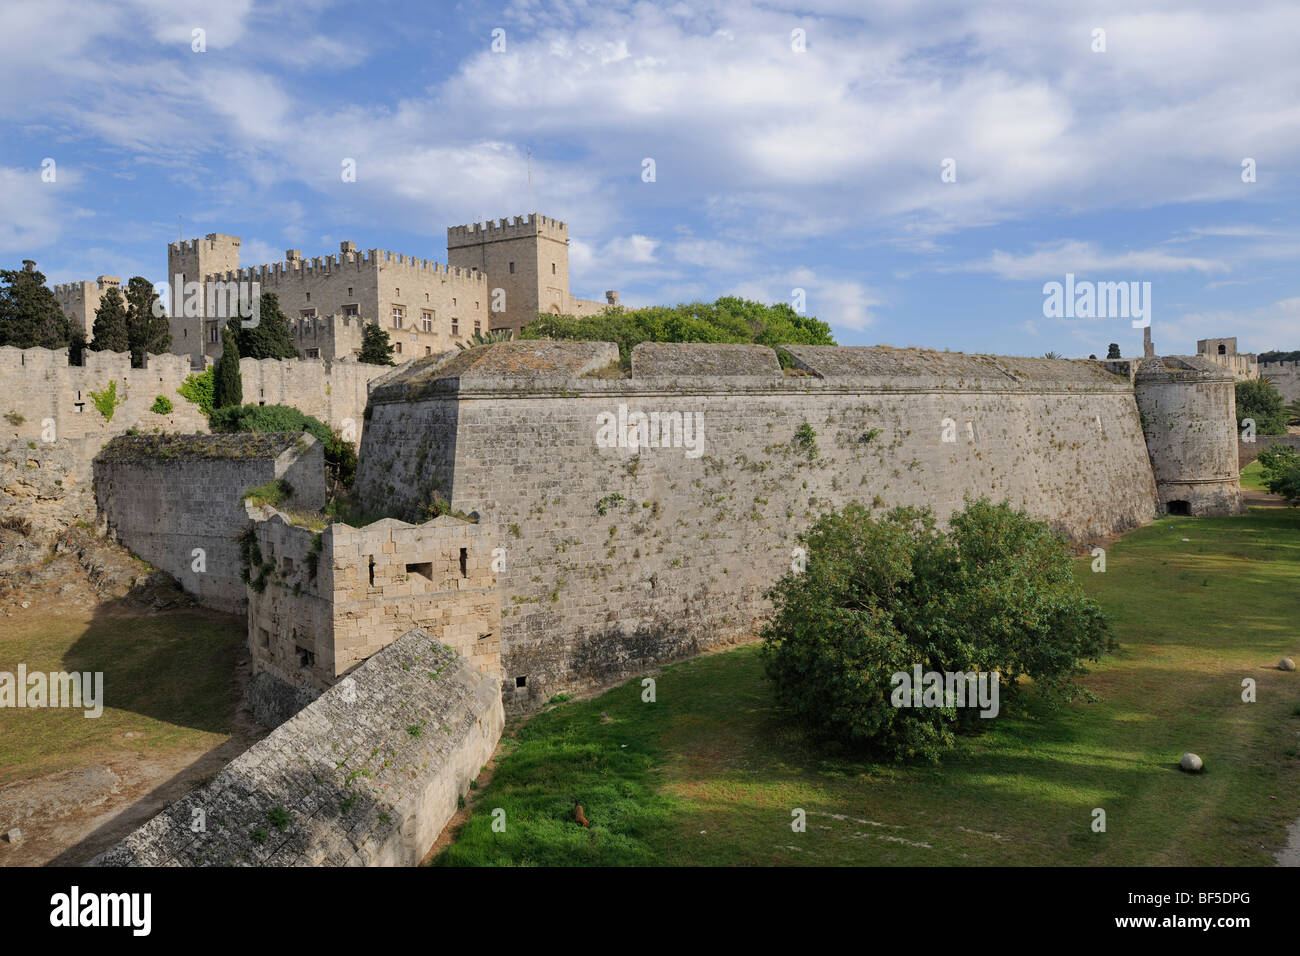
1252	477
168	678
709	775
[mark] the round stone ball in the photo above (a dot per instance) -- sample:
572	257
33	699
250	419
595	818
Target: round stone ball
1191	763
1286	664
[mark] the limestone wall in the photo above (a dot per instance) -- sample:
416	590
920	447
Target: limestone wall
366	775
165	496
1249	451
1285	376
334	392
332	598
617	558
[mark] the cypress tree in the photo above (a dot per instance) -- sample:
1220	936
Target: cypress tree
271	337
109	331
375	347
228	388
147	329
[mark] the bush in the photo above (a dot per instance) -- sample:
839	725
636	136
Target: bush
1280	469
106	400
198	389
161	405
340	456
995	593
1260	400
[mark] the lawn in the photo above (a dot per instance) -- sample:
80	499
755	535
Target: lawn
169	681
1252	477
708	775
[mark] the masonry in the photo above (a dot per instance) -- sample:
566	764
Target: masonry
619	557
366	775
175	500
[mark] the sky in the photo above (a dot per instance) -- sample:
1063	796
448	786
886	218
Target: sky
919	170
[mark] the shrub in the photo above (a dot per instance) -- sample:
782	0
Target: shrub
161	405
106	400
1280	469
340	456
198	389
995	593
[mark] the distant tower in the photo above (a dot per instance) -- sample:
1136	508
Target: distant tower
527	258
1189	416
1148	350
192	260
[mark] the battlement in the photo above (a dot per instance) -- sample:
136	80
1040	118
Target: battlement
358	261
1278	365
210	241
494	230
79	287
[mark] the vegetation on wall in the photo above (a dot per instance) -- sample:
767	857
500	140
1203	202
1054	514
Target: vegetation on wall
198	389
106	400
162	405
995	593
728	320
340	456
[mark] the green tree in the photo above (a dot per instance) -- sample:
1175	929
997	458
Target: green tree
879	596
1280	467
1259	399
227	386
147	330
375	347
729	319
30	316
109	331
271	337
1112	351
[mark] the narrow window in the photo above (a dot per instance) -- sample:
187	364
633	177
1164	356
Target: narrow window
521	681
552	268
372	570
512	268
464	562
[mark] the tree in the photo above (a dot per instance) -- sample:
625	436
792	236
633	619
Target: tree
109	331
147	330
227	387
271	337
1280	469
375	347
877	597
729	319
1112	351
1260	400
30	316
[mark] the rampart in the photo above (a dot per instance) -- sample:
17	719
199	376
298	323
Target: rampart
322	601
175	500
625	548
1285	376
366	775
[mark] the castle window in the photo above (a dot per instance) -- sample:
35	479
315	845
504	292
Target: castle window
428	321
313	353
372	570
424	569
512	268
521	681
349	291
265	635
397	347
427	350
455	326
477	326
308	296
552	268
1223	349
306	658
398	315
464	562
453	300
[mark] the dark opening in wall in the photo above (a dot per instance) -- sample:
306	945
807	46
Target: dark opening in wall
306	658
521	681
265	635
372	570
423	569
1179	507
464	562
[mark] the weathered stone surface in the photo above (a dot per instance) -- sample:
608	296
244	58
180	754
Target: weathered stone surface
366	775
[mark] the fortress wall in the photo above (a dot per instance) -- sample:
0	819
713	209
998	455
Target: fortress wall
343	594
1249	451
686	546
1285	376
344	782
165	496
334	392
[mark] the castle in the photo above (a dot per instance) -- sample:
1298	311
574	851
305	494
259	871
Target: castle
499	275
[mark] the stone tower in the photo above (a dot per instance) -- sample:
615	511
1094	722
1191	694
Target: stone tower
527	258
1189	416
191	261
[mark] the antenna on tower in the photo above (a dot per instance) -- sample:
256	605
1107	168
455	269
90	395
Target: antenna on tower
531	208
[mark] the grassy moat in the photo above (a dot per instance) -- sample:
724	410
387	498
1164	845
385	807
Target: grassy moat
707	775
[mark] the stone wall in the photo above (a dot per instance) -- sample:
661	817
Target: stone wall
334	392
332	598
1285	376
1249	451
618	558
165	496
366	775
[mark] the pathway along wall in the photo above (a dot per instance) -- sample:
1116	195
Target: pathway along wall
616	558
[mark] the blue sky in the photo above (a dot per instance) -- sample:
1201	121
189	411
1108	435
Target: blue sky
776	168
